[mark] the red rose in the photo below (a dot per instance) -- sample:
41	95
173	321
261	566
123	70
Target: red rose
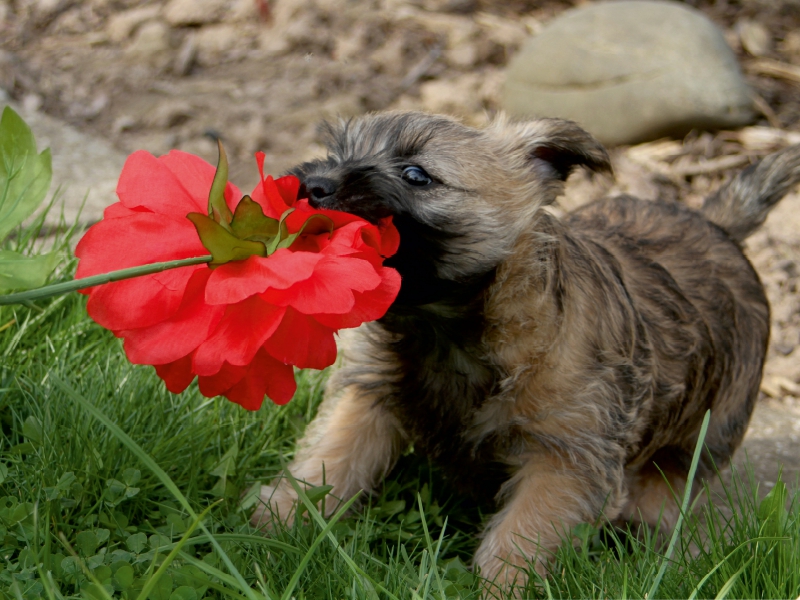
240	326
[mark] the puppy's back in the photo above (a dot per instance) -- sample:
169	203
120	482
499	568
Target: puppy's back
704	311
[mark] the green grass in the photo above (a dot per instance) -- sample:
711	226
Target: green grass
110	485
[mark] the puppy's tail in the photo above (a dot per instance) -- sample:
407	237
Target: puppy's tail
742	204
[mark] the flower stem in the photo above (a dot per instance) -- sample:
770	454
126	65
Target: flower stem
73	285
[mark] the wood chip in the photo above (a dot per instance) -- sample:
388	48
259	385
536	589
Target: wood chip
774	68
778	387
765	109
713	165
765	139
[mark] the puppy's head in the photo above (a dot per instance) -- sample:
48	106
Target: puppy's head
459	196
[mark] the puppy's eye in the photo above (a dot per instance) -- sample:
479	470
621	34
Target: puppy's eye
416	176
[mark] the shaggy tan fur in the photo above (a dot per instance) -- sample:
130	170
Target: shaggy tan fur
545	364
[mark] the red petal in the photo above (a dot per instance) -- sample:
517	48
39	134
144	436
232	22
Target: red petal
139	302
390	237
302	341
117	210
179	335
139	239
218	384
265	376
330	289
274	205
175	184
177	375
237	280
369	305
238	336
288	186
196	177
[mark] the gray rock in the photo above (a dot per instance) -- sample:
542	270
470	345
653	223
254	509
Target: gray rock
123	24
630	71
83	166
151	44
195	12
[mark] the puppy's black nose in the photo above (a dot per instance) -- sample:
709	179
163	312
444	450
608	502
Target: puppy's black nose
318	189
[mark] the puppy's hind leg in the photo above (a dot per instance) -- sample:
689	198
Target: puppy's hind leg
354	439
656	490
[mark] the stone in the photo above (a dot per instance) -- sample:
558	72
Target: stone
83	166
195	12
170	113
754	37
123	24
630	71
151	43
214	41
185	57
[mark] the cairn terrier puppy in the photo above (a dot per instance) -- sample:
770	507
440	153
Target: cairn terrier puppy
545	364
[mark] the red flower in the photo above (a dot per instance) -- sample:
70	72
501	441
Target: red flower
240	326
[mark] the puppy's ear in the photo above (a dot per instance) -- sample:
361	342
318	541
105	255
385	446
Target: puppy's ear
553	147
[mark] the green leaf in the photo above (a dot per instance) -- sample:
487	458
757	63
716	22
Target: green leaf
136	542
93	591
227	464
772	510
123	578
250	223
24	175
3	472
161	590
317	493
184	593
61	488
32	430
217	207
20	272
131	476
159	541
222	244
319	224
87	542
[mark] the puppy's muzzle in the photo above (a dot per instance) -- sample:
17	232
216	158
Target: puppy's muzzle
320	191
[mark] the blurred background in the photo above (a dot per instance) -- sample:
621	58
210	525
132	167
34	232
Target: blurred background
98	79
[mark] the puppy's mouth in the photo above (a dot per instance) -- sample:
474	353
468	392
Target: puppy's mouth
355	193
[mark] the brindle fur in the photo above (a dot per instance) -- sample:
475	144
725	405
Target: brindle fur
544	363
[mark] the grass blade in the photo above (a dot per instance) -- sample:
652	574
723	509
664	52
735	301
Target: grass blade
137	450
239	537
314	514
687	494
151	582
287	593
723	592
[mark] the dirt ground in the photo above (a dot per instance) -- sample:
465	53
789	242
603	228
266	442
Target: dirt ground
261	74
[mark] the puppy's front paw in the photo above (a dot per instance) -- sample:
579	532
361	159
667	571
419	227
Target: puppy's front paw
275	503
502	577
505	571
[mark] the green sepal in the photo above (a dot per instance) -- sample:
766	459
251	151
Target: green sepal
24	175
250	223
283	232
223	245
323	224
217	207
20	272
